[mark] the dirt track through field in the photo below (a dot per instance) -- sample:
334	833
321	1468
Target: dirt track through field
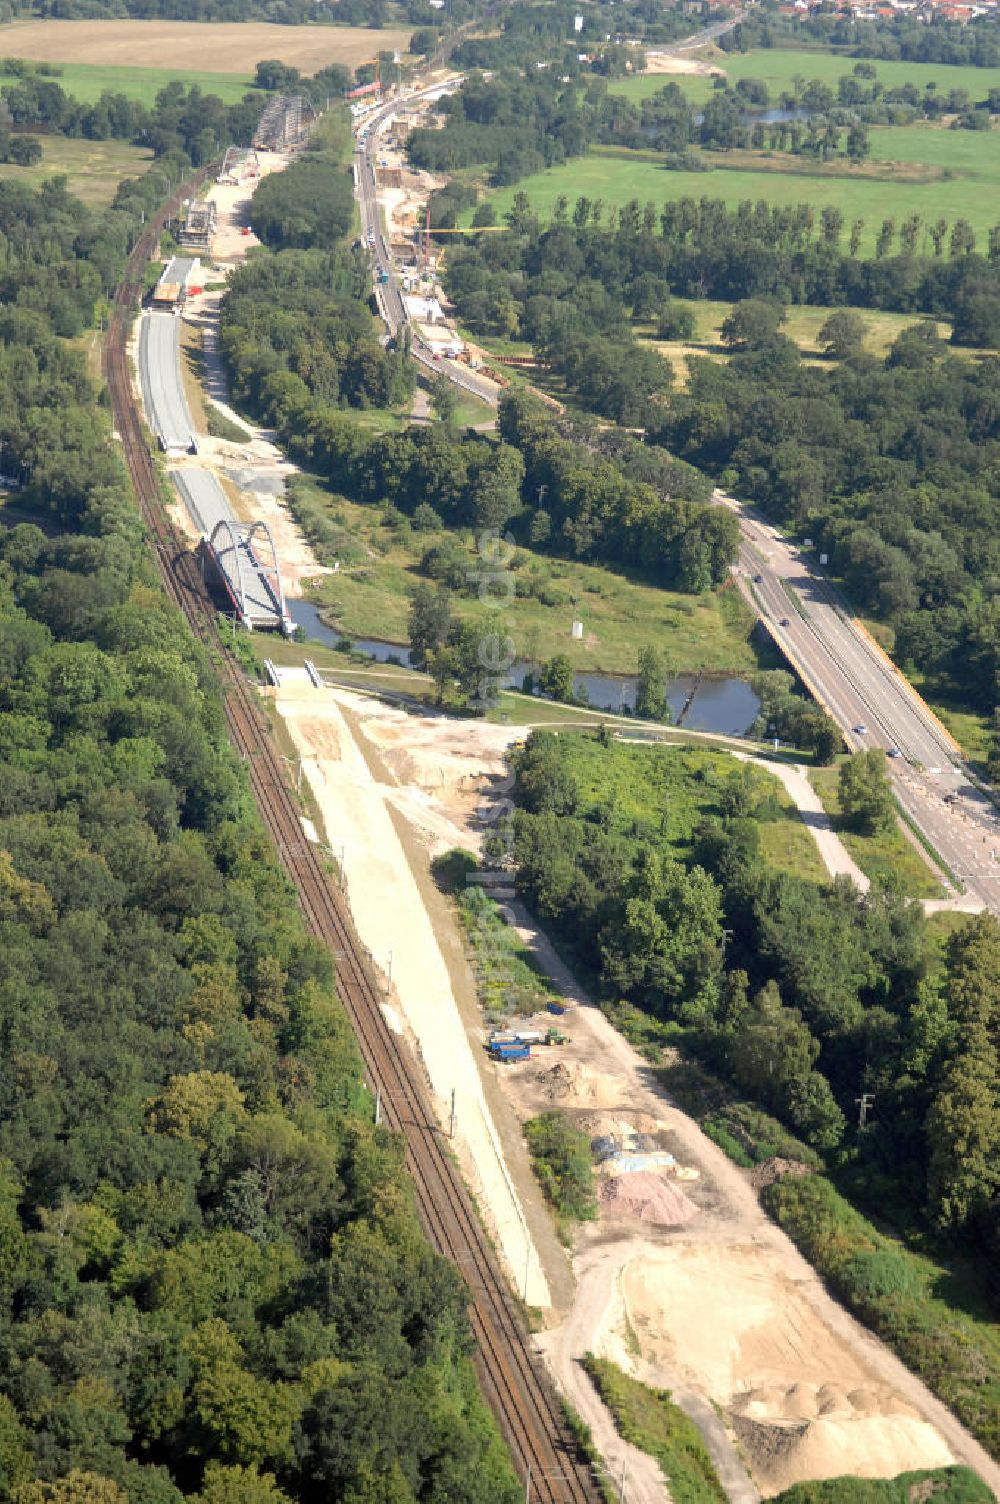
221	47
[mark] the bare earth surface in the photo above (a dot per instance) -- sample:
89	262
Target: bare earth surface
219	46
709	1299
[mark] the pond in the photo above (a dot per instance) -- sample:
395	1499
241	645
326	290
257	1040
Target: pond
724	705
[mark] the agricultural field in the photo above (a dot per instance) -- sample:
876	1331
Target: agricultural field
88	81
94	168
379	568
234	47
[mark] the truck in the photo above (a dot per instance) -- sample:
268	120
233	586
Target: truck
508	1052
383	277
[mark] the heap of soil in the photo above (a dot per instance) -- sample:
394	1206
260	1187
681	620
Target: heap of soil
572	1084
649	1197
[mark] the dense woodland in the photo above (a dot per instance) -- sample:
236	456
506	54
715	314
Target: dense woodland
803	995
297	330
212	1281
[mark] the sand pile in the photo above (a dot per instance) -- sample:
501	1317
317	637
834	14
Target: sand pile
649	1197
609	1124
872	1446
571	1084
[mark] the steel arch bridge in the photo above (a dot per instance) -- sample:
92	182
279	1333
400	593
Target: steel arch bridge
247	563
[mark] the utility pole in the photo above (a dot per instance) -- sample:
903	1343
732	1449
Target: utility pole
451	1125
378	1105
527	1486
389	972
865	1103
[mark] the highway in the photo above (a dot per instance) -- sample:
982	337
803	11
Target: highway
859	686
833	655
388	294
160	380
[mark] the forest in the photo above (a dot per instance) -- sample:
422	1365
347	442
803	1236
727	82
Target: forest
213	1285
297	330
886	463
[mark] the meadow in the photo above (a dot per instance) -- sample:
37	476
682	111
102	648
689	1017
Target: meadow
962	172
379	568
921	169
94	168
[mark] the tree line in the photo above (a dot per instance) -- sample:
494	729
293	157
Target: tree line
212	1274
627	262
975	44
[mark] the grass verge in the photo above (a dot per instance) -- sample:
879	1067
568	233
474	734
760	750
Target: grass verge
942	1485
648	1418
887	854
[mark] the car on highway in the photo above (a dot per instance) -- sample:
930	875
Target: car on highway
860	729
785	622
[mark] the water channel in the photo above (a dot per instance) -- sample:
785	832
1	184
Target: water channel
724	705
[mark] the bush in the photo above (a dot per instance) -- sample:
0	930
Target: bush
943	1485
560	1154
648	1418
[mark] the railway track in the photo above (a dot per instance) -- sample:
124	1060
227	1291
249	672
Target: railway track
519	1393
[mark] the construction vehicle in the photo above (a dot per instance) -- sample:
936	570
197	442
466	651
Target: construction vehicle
507	1052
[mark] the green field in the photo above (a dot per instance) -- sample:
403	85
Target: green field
921	169
94	168
802	325
779	69
872	194
379	568
87	82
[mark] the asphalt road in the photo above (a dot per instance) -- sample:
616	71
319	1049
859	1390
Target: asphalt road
160	379
859	687
840	664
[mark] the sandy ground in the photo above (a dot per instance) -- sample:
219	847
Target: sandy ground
783	1384
668	62
357	815
209	46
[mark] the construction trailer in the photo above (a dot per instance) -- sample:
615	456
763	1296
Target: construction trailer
177	279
